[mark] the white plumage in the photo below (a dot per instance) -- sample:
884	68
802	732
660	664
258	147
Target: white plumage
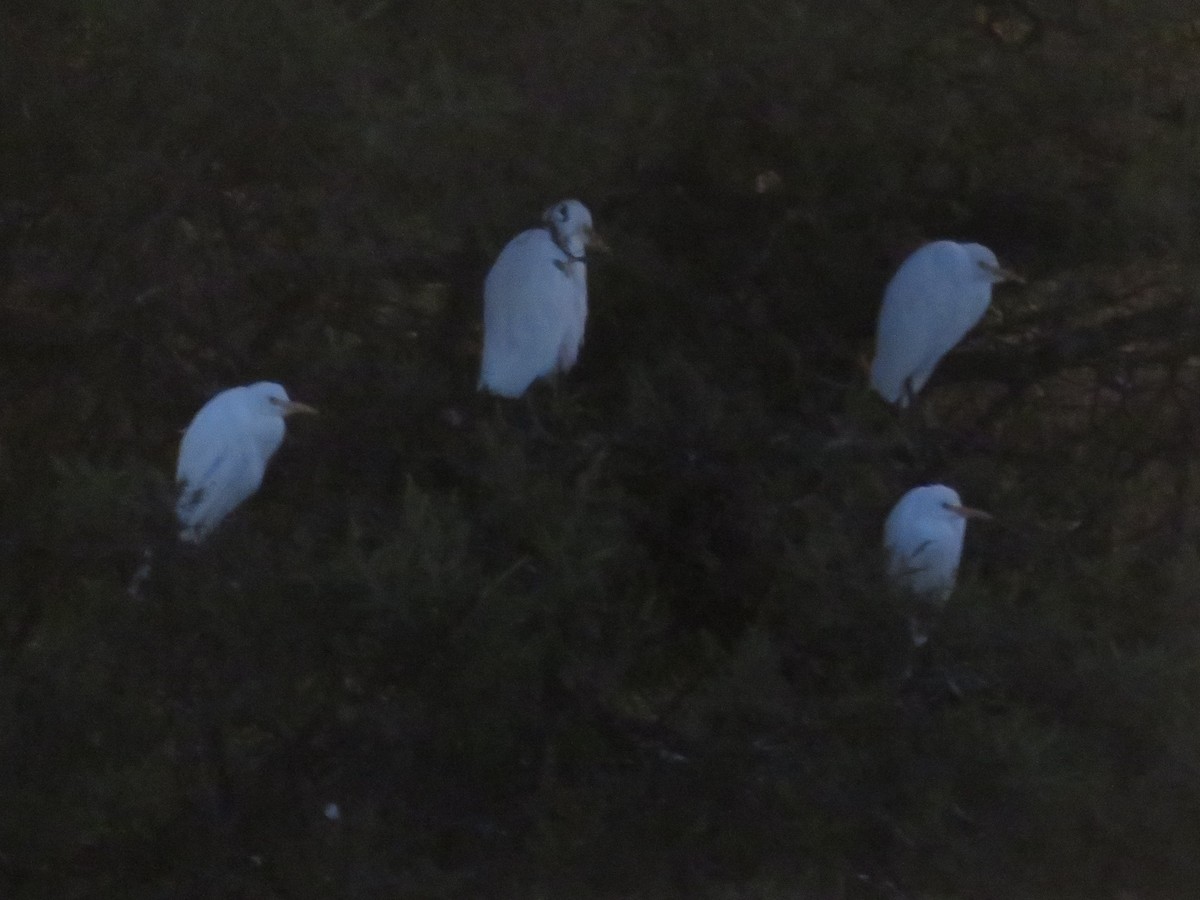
936	296
225	451
923	538
535	301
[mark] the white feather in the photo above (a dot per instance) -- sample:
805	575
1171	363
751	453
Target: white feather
535	302
923	538
224	454
936	296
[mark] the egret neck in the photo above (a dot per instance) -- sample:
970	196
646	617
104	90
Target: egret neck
562	245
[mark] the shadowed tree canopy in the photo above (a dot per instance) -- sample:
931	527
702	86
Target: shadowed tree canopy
645	649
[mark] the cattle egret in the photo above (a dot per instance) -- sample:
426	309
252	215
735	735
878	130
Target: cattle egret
938	294
923	538
535	301
225	452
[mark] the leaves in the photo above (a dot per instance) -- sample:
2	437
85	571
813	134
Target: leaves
631	638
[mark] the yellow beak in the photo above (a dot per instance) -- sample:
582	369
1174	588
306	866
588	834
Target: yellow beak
293	406
1000	274
968	512
596	242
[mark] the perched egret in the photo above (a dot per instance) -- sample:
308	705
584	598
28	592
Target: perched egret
225	452
535	301
936	296
923	537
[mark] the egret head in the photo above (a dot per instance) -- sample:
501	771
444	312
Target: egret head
274	400
570	223
985	260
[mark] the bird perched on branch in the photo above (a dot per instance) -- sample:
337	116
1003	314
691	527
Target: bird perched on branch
535	301
936	296
923	537
225	451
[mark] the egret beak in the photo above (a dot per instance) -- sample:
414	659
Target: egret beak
1000	274
596	242
293	406
968	512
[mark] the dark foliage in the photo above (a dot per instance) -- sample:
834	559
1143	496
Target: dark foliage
643	650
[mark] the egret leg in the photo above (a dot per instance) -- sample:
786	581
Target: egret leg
536	429
918	631
502	416
523	418
140	576
498	410
929	421
912	384
921	623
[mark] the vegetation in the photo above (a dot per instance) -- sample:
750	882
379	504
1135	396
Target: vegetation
645	651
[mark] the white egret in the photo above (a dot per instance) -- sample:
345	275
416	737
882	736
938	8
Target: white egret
923	538
535	301
936	296
225	452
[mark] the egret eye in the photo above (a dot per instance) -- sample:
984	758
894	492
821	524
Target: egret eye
563	212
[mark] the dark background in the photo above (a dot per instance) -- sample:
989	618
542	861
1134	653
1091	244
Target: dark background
649	652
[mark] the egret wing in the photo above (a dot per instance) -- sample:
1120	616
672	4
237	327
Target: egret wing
902	336
919	321
925	561
219	467
527	313
207	436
